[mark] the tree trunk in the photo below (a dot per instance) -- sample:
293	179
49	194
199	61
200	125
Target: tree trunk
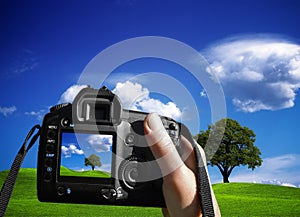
225	173
225	178
93	167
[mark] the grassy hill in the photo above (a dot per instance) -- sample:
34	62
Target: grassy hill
235	199
91	173
245	199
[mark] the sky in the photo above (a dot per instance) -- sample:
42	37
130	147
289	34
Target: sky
253	49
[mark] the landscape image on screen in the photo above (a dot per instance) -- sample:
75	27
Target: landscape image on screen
86	155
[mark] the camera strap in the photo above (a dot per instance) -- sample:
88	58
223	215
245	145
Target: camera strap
207	205
206	197
10	181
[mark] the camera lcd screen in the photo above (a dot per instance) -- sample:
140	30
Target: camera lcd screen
86	155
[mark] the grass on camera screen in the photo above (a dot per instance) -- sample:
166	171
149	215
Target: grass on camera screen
86	155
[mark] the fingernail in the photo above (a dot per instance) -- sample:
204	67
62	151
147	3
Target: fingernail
154	122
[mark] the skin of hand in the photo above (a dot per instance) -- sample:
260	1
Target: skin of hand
179	179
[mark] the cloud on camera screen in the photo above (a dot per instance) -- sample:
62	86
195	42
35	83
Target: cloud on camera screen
86	155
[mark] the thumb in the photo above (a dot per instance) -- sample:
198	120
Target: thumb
161	145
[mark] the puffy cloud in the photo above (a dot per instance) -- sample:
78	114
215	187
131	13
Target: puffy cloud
250	105
69	95
100	143
136	97
257	73
153	105
71	149
7	110
131	93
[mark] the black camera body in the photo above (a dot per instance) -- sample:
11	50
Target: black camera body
94	152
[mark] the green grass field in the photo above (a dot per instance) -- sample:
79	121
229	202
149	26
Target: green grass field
245	199
235	199
91	173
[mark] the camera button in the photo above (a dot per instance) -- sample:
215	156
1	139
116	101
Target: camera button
65	122
51	134
132	172
69	191
109	193
48	162
47	177
172	126
172	133
130	139
60	191
50	148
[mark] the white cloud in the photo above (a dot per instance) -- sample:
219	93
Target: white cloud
38	114
74	150
100	143
69	95
280	170
249	105
203	93
136	97
64	150
118	77
277	182
131	93
153	105
71	149
294	68
257	73
7	110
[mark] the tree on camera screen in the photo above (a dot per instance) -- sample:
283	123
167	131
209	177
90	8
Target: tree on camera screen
86	155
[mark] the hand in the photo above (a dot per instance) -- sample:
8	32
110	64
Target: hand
179	179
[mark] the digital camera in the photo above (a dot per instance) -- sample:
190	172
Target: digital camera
94	152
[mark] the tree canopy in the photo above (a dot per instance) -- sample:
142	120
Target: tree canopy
236	147
93	161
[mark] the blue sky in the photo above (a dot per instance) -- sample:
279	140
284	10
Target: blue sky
252	47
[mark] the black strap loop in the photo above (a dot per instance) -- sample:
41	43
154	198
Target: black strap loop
204	190
10	181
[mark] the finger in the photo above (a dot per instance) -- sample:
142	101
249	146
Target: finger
179	182
165	212
161	145
188	155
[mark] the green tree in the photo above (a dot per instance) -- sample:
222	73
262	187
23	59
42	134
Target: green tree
93	160
236	147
